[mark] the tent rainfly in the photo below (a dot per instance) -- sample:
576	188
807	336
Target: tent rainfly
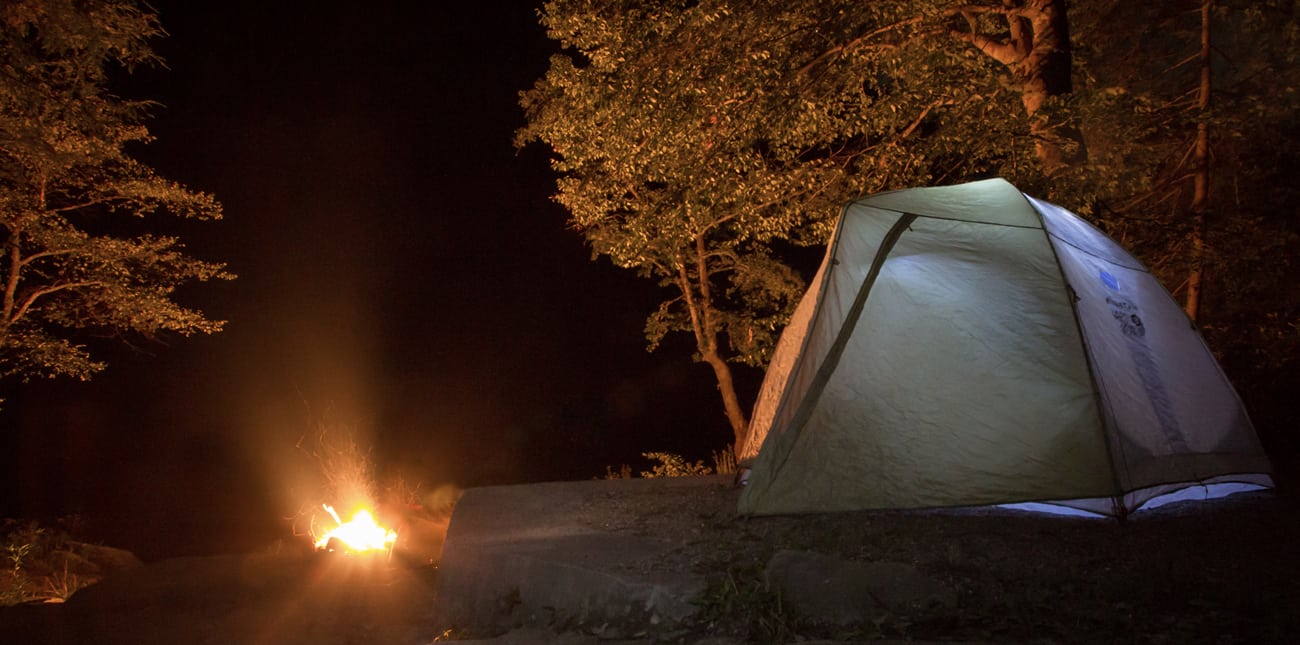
971	345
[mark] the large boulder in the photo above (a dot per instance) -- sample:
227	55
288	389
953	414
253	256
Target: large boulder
592	557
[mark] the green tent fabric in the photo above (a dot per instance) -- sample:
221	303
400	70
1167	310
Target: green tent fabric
970	345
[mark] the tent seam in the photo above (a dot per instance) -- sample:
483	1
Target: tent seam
1107	416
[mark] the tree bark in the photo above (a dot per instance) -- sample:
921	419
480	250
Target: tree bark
706	339
1044	73
1201	178
1036	52
730	402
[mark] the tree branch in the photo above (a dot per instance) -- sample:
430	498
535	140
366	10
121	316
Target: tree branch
86	204
706	296
11	283
1009	12
1005	53
39	293
684	283
20	263
1009	52
921	117
855	43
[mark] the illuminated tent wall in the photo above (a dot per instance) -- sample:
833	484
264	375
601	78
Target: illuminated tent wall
970	345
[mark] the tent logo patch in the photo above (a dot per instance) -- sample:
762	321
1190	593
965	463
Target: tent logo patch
1127	314
1109	280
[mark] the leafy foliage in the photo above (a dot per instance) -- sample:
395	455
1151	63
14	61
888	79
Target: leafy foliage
37	562
671	465
696	142
76	259
738	600
674	465
693	142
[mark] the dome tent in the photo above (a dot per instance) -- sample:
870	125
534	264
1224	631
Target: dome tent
970	345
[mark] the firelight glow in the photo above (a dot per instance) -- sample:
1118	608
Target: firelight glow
359	534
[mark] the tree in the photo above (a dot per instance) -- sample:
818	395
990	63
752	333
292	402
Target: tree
77	262
1200	166
1035	50
1193	152
1186	121
696	143
659	173
697	130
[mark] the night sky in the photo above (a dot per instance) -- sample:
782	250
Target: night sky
403	276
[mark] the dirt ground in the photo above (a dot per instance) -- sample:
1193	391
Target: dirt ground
1224	571
272	599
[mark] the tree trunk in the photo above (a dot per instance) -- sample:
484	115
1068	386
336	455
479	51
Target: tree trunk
1201	178
730	402
700	305
1036	51
1043	73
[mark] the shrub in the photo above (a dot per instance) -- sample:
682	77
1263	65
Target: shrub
671	465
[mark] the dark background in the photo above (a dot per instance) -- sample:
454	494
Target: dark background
403	277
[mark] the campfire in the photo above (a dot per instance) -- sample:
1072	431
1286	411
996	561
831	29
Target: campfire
360	534
349	514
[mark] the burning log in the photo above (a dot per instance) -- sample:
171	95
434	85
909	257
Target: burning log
360	534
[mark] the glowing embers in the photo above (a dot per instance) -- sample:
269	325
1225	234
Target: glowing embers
360	534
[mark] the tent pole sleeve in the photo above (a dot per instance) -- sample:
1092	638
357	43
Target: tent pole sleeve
819	287
850	321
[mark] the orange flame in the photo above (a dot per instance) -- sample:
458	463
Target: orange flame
359	534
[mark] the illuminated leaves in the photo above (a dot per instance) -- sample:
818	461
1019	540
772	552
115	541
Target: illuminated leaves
736	126
76	260
692	140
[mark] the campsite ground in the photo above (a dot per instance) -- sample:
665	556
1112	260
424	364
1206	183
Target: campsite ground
1226	571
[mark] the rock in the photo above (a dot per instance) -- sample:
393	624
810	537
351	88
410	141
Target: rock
108	560
834	591
523	556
